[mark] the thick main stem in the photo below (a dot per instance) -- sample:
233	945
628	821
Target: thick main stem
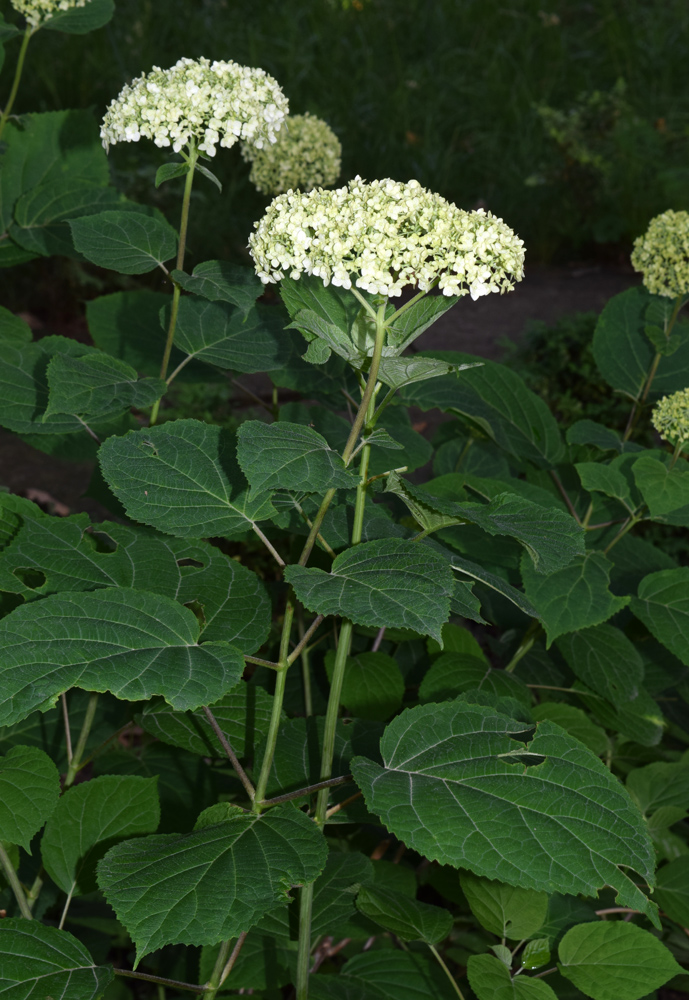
177	293
17	78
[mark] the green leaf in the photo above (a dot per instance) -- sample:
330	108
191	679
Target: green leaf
575	722
551	537
313	326
127	325
663	606
640	719
89	819
183	479
624	354
289	456
97	386
418	318
464	604
373	686
127	242
29	792
81	20
449	790
388	582
573	598
590	432
168	172
606	661
610	959
453	673
664	490
209	175
659	786
495	400
490	979
398	372
467	568
14	330
41	214
221	281
398	975
241	868
672	893
335	306
243	715
409	919
7	30
264	963
40	961
219	334
609	480
536	954
505	910
457	639
130	642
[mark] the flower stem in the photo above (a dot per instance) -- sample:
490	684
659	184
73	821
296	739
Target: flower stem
15	884
17	78
636	409
75	763
177	293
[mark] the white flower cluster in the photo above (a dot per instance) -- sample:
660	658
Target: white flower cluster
662	255
37	12
670	417
196	100
307	154
384	236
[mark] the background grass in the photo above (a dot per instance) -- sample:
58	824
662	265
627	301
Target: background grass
441	90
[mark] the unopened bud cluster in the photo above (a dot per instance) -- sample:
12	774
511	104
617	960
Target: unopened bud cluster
662	255
307	154
37	12
670	417
197	101
383	236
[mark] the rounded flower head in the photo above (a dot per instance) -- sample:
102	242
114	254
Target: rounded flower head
210	103
37	12
307	154
662	255
383	236
670	417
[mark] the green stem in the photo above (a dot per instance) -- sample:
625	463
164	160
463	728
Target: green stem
525	645
305	666
276	714
304	952
17	78
75	764
176	295
35	890
636	409
447	971
15	884
629	524
144	976
213	983
679	447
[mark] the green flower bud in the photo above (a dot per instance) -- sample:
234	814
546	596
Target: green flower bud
662	255
307	154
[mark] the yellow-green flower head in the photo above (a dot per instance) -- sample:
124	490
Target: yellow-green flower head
196	100
37	12
662	255
670	417
307	154
384	236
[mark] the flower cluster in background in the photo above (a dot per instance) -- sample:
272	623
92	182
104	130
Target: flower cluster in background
197	101
662	255
386	235
307	154
670	417
37	12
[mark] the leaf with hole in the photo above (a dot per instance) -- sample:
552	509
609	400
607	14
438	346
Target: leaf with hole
446	768
242	868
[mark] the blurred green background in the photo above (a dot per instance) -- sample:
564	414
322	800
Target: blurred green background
568	119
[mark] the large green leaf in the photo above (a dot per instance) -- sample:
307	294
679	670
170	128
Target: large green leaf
550	536
182	478
399	975
573	598
418	318
127	242
130	642
662	605
409	919
495	400
221	281
89	819
243	715
606	661
664	490
289	456
611	480
219	334
29	792
460	789
398	372
672	893
574	721
388	582
80	20
612	959
505	910
40	215
40	961
97	386
624	354
490	979
237	869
